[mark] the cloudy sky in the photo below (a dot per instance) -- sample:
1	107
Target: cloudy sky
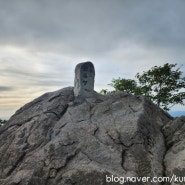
41	41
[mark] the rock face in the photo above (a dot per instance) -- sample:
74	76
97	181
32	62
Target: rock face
174	160
55	140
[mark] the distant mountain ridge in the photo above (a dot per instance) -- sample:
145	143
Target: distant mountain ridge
177	113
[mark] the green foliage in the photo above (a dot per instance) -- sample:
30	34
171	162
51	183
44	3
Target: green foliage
2	122
125	85
161	84
104	91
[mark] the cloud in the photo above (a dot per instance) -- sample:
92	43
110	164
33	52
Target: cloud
4	88
92	27
22	68
42	41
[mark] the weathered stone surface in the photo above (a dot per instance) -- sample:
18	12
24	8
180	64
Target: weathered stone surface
84	80
52	140
174	160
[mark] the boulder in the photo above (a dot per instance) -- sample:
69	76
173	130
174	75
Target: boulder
56	140
174	160
75	136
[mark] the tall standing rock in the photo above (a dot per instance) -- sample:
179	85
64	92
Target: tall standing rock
84	80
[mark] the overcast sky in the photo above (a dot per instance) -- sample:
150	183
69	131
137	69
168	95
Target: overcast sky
41	41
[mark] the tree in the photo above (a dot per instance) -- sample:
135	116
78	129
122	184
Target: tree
105	91
161	84
2	122
126	85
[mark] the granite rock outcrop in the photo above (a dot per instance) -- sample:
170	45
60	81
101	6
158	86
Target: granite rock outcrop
64	139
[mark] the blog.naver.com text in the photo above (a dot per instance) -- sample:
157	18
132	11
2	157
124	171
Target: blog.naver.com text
122	180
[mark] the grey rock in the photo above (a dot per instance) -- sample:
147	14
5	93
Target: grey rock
174	160
53	140
77	136
84	80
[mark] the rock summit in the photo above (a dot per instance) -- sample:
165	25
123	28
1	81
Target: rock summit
55	141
